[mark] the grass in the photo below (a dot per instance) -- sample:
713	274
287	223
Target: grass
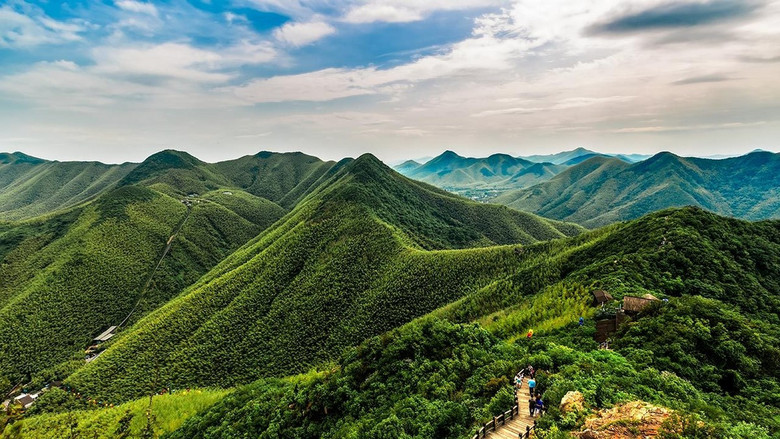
127	420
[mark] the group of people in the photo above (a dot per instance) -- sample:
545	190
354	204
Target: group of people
535	403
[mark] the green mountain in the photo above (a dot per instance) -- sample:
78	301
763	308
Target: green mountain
600	191
403	306
283	178
710	352
364	253
479	178
451	170
435	379
30	187
407	166
67	276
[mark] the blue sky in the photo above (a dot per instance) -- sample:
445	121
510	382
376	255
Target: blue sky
118	80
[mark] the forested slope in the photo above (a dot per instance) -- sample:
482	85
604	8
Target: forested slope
407	308
68	277
602	190
30	187
711	352
345	265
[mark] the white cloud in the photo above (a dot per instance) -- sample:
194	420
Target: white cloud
172	60
401	11
301	34
28	30
529	74
138	7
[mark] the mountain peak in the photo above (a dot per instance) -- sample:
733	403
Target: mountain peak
367	166
160	162
19	157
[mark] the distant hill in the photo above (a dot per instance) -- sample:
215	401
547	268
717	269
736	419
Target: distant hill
484	178
462	174
407	166
579	155
560	157
347	263
602	190
31	186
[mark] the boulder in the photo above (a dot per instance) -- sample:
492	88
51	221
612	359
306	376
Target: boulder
572	402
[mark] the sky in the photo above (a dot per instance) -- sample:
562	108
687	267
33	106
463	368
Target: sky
116	81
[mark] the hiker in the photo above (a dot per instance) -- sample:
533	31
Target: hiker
519	379
531	386
531	406
539	405
582	321
530	334
531	371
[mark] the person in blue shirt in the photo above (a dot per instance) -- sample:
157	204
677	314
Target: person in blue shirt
539	406
531	386
582	321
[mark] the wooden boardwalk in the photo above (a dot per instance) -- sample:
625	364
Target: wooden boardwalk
515	428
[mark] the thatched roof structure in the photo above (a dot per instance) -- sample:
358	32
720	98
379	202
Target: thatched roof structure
636	304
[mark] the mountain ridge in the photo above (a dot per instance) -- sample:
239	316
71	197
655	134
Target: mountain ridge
745	186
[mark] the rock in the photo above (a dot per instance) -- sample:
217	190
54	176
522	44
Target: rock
636	419
572	402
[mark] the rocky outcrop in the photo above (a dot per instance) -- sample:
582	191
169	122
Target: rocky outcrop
635	419
572	402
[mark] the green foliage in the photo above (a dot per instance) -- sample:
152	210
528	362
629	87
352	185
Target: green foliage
471	176
129	420
425	380
603	190
338	270
719	349
68	277
32	187
368	251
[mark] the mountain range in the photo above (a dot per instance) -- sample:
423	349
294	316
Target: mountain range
602	190
483	178
283	296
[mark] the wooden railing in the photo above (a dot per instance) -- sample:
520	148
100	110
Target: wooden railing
502	419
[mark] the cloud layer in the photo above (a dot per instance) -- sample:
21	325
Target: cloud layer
400	78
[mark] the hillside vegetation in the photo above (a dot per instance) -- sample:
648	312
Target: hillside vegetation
128	420
68	277
30	187
283	178
345	265
602	190
464	175
709	355
383	307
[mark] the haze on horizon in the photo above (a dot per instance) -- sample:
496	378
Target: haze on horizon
118	81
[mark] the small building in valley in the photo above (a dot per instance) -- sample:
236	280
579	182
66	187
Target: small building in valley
26	400
633	304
